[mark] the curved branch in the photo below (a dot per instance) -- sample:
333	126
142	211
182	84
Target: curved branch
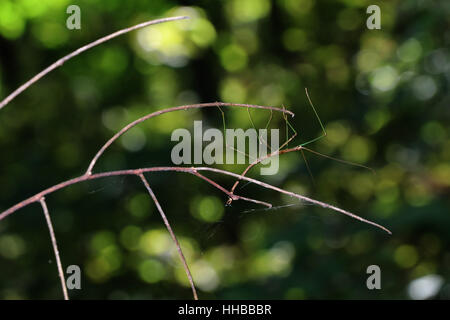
61	61
160	112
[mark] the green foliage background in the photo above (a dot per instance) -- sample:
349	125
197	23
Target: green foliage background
382	95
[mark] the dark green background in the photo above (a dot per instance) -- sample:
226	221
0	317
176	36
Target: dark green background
382	95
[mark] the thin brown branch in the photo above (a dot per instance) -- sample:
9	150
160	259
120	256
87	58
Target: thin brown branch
191	170
55	248
172	234
61	61
160	112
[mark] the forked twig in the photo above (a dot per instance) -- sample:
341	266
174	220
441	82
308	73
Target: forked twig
61	61
172	234
191	170
55	247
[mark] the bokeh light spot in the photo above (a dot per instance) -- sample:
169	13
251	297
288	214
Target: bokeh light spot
208	209
406	256
152	271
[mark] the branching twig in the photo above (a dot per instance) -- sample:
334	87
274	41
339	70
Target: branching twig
172	234
85	177
88	175
61	61
191	170
55	247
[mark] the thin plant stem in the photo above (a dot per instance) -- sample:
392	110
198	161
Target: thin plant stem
160	112
55	247
191	170
172	234
61	61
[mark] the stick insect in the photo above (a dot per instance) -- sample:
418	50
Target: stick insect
284	148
